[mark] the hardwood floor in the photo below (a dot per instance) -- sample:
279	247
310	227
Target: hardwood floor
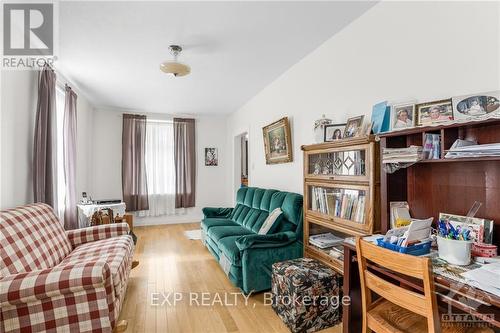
170	263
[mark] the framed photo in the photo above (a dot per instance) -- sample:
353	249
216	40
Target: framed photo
402	116
211	157
434	112
278	142
334	132
353	127
477	105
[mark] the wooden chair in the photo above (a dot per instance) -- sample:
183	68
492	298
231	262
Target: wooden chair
399	310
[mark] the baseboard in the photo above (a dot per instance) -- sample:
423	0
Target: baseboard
167	219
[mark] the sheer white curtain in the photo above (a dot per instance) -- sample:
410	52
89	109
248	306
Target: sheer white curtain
160	168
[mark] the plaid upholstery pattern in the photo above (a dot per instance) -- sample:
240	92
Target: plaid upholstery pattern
87	306
31	238
116	251
92	234
81	292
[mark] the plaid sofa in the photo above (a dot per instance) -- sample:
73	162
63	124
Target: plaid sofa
53	280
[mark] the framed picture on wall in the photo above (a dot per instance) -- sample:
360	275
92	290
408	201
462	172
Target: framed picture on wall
211	157
278	142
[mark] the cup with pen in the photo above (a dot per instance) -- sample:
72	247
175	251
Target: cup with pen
454	243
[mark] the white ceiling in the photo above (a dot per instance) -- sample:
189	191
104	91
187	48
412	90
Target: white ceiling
112	50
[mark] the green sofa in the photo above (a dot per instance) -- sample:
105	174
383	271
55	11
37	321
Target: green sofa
231	235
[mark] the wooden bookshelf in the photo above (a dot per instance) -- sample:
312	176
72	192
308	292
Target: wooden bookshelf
445	185
341	192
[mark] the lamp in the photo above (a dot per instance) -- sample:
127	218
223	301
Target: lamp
174	67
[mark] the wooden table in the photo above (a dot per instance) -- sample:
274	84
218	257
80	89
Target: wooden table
450	294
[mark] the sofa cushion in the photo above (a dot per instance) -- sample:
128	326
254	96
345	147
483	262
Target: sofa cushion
212	222
218	232
228	246
31	238
116	251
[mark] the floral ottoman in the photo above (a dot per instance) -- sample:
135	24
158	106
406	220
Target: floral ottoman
306	294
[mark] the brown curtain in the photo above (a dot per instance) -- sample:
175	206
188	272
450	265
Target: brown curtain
134	183
44	141
69	140
185	162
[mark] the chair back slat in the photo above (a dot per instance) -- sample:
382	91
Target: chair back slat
420	268
397	262
395	294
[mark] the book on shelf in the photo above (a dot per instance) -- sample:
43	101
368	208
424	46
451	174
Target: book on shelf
339	203
432	146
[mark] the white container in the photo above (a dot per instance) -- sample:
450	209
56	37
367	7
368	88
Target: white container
455	252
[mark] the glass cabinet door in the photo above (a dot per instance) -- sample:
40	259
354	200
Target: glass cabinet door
345	205
338	164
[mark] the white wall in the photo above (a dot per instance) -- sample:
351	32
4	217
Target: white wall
18	108
396	51
17	118
212	185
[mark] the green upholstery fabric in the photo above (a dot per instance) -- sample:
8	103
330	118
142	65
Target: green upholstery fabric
233	232
218	232
212	222
227	245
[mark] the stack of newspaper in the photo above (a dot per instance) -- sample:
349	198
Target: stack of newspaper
326	240
465	148
402	155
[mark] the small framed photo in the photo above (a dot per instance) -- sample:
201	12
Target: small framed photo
334	132
477	105
434	112
402	116
353	127
211	157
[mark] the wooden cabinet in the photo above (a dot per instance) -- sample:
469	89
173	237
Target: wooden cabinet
341	193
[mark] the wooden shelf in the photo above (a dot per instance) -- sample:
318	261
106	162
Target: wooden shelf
340	228
361	153
445	185
422	129
463	159
323	256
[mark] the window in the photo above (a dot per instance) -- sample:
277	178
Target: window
160	168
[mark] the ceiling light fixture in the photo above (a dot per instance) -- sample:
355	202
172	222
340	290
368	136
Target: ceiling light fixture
174	67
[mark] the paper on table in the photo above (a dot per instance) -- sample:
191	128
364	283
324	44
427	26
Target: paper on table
486	277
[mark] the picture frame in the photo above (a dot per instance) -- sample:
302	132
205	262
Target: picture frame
431	113
403	115
211	157
473	106
333	132
354	127
278	142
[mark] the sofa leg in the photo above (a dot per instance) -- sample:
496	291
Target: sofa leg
135	263
121	326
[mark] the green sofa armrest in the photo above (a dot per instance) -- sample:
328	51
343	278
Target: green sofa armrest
217	212
265	241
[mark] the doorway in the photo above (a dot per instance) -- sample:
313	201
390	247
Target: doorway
241	160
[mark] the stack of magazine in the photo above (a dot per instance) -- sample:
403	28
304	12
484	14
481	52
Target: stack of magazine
324	241
466	148
402	155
